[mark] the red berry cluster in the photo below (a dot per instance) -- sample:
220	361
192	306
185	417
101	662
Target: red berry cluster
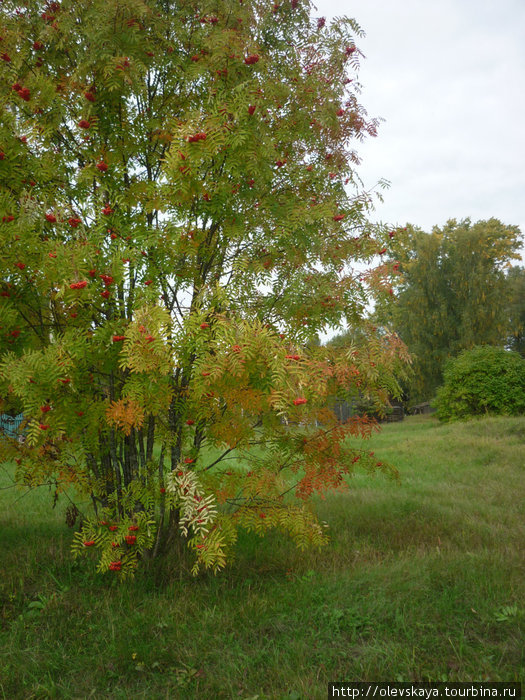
201	136
23	92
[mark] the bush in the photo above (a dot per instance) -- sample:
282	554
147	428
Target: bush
483	380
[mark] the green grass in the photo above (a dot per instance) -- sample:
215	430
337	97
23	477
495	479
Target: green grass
421	581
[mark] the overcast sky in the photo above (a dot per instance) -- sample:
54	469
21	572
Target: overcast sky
448	77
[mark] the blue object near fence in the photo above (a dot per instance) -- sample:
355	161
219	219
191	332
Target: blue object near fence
10	426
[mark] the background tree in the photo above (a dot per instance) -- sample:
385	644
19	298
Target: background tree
180	215
516	309
452	293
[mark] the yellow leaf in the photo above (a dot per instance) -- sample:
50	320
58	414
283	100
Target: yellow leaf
125	414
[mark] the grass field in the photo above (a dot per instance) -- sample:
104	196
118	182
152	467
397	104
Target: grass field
421	581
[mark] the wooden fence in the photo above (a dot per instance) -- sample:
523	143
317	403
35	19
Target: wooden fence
10	425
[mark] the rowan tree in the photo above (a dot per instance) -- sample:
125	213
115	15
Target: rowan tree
451	293
181	216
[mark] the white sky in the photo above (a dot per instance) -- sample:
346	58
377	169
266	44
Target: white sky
449	79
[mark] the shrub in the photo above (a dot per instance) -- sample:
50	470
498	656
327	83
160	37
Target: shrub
483	380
